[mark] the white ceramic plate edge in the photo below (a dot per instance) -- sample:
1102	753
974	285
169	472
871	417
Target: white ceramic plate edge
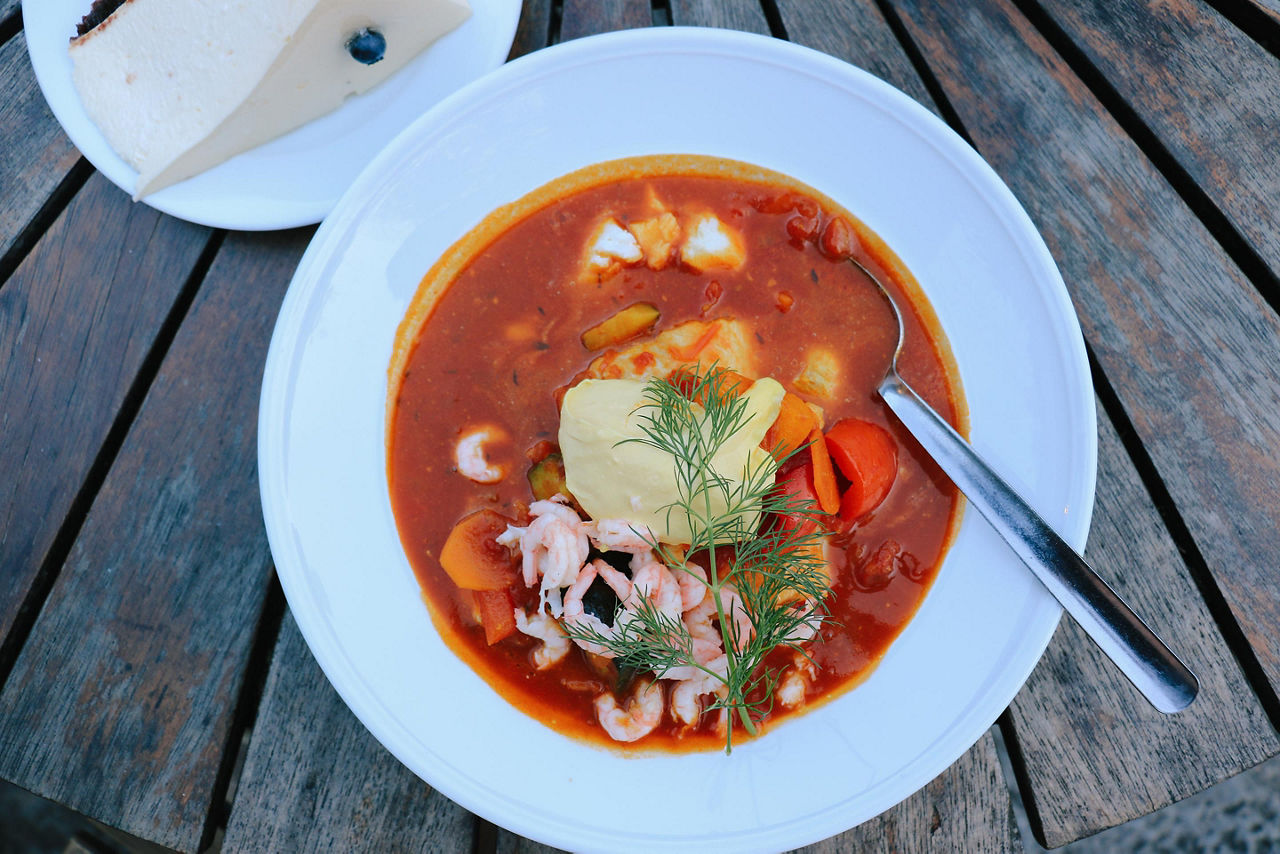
485	38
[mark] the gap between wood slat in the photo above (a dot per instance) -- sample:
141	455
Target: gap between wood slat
553	22
1018	781
1215	221
777	29
265	636
52	208
1010	776
1182	538
922	69
11	26
1252	21
78	511
485	840
660	12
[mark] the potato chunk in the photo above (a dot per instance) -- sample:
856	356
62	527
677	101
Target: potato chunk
821	374
621	325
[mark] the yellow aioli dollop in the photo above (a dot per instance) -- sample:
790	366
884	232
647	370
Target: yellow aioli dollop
635	481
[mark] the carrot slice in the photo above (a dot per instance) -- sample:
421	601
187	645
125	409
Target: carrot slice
866	454
497	614
824	476
472	557
792	428
731	382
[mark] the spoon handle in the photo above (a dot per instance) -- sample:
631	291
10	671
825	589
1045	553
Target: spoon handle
1150	665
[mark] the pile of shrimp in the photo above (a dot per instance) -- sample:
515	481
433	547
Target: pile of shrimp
554	548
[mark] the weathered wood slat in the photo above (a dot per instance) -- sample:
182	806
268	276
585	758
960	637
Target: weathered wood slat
745	15
37	154
329	785
1095	753
965	808
1209	92
533	29
588	17
77	319
509	843
1155	293
8	7
855	31
121	702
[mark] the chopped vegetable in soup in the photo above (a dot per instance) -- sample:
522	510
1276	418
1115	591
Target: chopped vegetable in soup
638	463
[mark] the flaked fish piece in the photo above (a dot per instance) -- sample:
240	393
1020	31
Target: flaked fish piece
726	342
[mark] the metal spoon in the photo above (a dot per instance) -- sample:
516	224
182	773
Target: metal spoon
1150	665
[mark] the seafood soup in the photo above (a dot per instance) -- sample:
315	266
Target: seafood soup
637	461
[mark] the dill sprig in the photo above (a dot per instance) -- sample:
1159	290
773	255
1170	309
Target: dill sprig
773	572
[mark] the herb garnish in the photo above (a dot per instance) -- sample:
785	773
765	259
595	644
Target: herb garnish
775	569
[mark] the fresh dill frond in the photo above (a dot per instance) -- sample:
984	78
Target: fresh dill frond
774	571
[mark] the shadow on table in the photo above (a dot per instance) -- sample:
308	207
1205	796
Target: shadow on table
1240	814
33	825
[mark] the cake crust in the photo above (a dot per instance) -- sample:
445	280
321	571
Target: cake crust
98	13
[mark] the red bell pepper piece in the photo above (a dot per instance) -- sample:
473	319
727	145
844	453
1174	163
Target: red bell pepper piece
867	456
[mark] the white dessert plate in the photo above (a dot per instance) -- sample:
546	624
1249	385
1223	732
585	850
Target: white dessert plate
322	466
294	179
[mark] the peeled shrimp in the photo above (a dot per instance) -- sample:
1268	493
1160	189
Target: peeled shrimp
652	581
637	718
736	610
684	697
808	626
553	547
704	652
791	689
554	644
794	684
469	455
693	585
574	613
698	621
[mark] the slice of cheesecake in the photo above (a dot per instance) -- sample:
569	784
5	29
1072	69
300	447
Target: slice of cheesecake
178	86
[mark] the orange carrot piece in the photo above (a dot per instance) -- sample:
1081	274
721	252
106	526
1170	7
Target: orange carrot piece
731	382
824	475
497	614
792	428
472	557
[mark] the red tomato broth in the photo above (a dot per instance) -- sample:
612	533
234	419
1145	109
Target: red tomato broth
495	331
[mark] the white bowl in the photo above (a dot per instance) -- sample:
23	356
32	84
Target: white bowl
982	627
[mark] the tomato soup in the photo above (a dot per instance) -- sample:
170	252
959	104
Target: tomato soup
496	335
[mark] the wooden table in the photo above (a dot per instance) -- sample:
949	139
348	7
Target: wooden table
153	680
